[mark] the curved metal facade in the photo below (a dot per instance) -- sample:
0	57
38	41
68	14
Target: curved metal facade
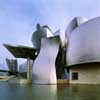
84	43
77	21
43	31
44	70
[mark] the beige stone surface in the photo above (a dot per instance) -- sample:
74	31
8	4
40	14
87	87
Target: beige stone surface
62	81
25	81
87	74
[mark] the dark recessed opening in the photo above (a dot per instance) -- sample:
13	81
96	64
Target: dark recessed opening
75	76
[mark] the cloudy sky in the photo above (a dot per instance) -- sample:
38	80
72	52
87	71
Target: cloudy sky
19	17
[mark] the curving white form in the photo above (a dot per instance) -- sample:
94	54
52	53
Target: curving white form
84	43
77	21
44	70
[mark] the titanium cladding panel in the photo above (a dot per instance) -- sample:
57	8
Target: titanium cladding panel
84	43
77	21
44	70
44	31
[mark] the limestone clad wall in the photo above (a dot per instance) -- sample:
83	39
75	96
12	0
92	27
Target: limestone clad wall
87	74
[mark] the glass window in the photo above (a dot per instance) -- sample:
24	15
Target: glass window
74	75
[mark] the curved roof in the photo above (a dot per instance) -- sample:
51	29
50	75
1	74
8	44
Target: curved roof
84	43
77	21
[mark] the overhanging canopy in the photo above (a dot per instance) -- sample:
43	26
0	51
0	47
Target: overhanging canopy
22	51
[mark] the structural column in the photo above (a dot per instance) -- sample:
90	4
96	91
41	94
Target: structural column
28	68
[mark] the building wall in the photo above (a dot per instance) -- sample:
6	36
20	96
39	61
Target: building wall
44	69
87	74
84	43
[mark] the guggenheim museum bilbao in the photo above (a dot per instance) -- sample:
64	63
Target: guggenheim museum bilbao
76	59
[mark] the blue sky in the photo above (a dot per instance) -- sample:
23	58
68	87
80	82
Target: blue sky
19	17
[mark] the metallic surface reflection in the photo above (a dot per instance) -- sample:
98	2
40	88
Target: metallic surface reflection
41	32
44	70
84	43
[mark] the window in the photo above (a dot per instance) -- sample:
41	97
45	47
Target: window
74	75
